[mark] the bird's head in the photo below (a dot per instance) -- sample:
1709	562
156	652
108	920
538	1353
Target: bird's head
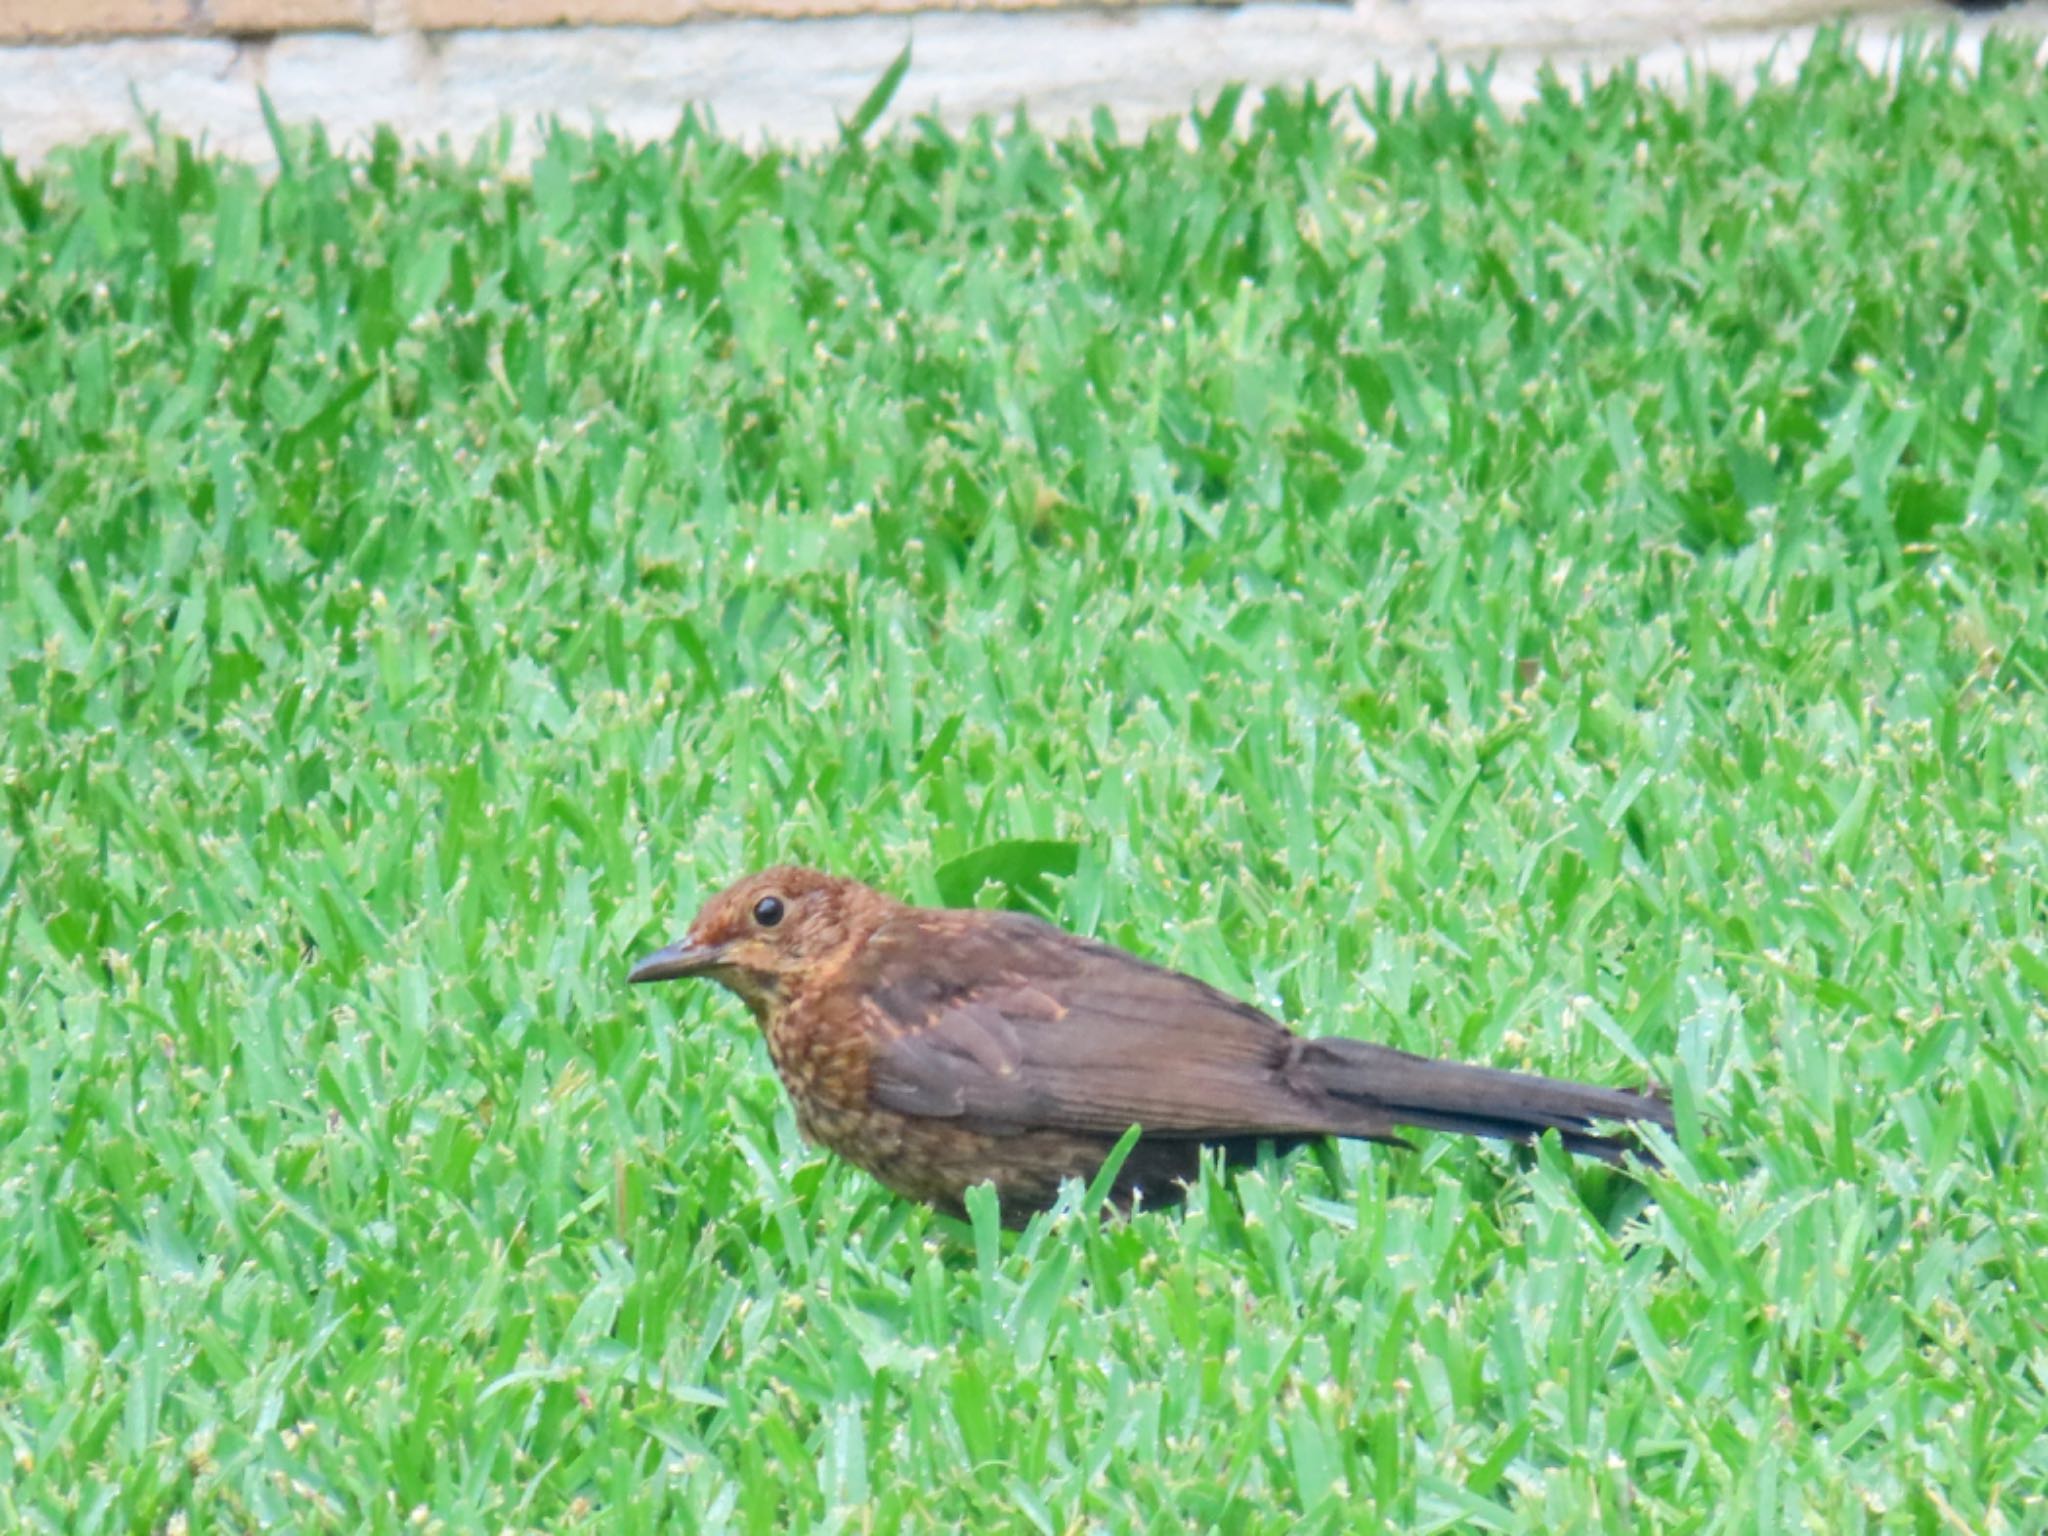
758	933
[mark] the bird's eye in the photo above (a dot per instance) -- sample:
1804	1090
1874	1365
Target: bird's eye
768	911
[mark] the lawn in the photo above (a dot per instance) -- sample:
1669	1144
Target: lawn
1567	590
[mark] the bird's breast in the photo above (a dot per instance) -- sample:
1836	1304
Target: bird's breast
821	1058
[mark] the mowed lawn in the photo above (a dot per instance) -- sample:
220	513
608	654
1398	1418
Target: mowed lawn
1567	590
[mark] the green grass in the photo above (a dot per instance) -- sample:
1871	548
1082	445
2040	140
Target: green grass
1567	591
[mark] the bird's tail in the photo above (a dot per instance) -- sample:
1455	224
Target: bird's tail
1399	1088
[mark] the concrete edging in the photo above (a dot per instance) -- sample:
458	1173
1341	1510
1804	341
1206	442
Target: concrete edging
794	81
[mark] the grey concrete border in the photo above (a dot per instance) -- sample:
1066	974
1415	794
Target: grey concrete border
792	81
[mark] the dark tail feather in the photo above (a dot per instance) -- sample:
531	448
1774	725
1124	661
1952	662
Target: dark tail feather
1398	1088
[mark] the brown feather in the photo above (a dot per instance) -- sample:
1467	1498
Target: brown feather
940	1048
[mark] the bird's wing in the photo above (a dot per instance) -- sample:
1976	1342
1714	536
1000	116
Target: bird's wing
1002	1022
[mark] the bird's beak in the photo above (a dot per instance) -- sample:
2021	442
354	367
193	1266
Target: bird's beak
681	958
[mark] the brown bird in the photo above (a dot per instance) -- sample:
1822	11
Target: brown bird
939	1048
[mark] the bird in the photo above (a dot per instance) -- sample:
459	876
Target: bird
938	1048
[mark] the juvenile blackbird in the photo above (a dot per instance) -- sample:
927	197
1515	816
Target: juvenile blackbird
939	1048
